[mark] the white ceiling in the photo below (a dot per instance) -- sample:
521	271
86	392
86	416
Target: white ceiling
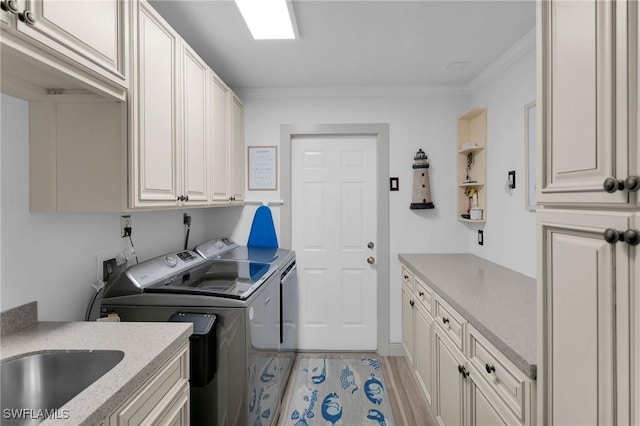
354	43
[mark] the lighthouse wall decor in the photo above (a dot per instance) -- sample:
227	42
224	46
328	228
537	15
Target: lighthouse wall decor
421	198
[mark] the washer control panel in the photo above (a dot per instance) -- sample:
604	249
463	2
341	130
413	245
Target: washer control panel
156	269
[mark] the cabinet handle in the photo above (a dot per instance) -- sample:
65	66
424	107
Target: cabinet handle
421	293
490	368
632	183
27	17
445	320
462	370
406	277
630	236
411	302
612	236
9	6
612	185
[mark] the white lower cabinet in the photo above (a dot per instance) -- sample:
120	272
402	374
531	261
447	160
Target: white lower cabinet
423	329
162	400
584	318
464	378
407	324
449	384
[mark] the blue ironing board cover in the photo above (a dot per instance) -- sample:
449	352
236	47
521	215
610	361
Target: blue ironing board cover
263	231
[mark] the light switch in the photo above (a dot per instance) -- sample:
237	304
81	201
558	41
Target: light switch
512	179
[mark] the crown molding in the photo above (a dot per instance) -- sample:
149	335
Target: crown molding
504	61
353	91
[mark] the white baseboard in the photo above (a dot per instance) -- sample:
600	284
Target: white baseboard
396	349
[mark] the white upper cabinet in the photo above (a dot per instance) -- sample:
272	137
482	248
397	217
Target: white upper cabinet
195	117
93	33
155	138
236	172
583	138
219	138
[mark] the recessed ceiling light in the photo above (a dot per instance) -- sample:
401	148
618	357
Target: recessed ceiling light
457	66
267	19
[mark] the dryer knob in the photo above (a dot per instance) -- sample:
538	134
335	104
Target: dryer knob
171	262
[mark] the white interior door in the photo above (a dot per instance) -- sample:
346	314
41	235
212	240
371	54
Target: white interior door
334	220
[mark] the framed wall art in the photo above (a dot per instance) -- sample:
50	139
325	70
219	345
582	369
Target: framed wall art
263	168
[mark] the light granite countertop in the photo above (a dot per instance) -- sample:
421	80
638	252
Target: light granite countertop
146	347
499	302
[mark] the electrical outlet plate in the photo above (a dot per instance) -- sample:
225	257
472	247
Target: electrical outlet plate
125	222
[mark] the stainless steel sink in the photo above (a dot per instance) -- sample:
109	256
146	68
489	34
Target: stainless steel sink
47	381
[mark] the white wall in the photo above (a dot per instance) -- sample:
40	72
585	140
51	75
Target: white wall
509	234
51	257
427	122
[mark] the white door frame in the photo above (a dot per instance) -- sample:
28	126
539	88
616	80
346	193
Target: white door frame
381	133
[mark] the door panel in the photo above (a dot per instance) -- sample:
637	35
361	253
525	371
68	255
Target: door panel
407	324
195	112
334	205
582	130
237	149
219	116
424	350
157	103
585	287
92	32
448	383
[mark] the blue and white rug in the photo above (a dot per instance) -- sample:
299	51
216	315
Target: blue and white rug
346	392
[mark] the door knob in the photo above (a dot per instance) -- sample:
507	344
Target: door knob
371	245
632	183
612	185
371	260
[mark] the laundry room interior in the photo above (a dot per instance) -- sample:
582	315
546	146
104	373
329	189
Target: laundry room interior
453	185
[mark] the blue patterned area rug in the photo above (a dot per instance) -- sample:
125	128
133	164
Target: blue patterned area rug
332	391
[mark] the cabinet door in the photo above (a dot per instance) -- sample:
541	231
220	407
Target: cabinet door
582	90
94	33
156	140
219	138
237	149
407	324
584	319
423	333
448	383
485	408
194	118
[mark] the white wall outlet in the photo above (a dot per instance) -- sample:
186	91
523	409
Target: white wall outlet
125	222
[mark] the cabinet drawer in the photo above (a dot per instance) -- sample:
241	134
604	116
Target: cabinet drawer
450	321
407	279
501	375
424	294
157	395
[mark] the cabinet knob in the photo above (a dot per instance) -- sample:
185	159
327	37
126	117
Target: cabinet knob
462	370
612	185
445	320
632	183
186	198
181	198
490	368
421	293
631	237
406	277
411	302
27	17
612	236
9	6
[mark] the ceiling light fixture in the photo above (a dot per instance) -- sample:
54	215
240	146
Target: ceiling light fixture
268	19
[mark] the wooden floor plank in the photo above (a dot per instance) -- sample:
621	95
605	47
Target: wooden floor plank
407	401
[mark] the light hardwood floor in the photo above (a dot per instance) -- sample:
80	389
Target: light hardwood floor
407	402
